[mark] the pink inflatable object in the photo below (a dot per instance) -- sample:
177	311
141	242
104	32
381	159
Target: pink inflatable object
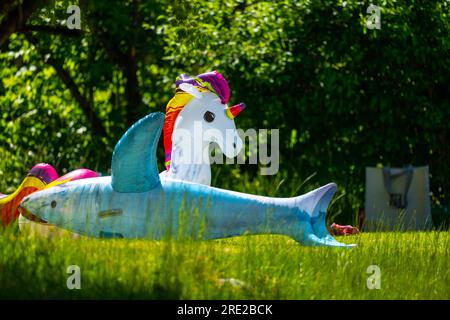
78	174
45	172
41	176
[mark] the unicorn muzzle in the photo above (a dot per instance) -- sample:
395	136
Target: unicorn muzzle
233	112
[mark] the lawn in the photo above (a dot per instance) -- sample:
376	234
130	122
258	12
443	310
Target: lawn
412	266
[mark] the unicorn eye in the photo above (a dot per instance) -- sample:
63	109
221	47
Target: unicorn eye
209	116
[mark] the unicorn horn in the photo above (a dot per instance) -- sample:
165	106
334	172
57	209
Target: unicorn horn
233	112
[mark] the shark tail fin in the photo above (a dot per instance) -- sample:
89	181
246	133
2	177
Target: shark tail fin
315	203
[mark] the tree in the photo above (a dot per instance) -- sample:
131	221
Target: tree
344	97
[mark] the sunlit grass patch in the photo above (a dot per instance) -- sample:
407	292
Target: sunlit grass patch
412	265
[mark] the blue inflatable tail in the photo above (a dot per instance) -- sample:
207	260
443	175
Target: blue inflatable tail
315	204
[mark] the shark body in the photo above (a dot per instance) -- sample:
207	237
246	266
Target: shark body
135	203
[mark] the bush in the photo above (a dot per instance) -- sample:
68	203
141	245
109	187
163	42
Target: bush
344	97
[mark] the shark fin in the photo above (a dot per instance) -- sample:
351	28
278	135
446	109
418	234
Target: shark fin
134	165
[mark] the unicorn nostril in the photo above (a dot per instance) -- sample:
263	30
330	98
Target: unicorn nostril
234	145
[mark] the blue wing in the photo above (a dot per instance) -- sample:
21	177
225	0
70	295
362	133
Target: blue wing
134	165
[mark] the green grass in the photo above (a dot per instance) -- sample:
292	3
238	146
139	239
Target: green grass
413	266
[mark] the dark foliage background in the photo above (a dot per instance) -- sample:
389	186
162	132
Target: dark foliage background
344	97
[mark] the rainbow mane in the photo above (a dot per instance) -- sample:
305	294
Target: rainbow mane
211	81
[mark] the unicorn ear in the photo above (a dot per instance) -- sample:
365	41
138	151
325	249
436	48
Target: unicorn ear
191	89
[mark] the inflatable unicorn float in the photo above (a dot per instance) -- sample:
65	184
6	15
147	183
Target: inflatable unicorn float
138	202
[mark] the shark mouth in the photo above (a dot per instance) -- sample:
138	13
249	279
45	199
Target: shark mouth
30	216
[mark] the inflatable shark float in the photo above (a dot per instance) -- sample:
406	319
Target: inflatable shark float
135	203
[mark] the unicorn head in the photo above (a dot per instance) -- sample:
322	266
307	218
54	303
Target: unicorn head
197	116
